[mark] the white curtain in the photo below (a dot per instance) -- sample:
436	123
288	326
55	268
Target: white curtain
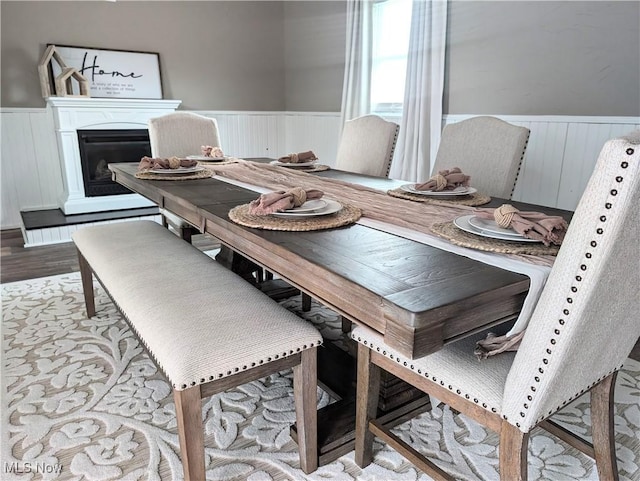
357	76
422	108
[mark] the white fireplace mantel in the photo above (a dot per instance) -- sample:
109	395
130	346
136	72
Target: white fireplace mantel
71	114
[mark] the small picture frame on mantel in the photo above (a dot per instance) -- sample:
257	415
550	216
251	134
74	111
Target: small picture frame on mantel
114	73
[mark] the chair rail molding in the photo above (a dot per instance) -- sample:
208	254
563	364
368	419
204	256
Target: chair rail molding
560	156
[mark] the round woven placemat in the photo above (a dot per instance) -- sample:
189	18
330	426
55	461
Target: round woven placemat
203	174
204	163
348	215
459	237
313	168
470	200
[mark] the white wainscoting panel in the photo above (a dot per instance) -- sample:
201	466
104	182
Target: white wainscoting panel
249	134
559	160
275	134
316	132
31	173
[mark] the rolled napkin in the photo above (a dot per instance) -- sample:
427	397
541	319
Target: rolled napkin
282	200
550	229
298	158
445	180
150	163
209	151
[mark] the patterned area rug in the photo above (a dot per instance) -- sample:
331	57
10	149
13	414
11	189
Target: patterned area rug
81	400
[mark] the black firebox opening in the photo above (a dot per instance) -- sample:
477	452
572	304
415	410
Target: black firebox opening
99	148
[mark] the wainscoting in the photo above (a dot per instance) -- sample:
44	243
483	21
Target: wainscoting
558	163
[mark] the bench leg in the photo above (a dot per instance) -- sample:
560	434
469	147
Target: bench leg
190	432
305	381
87	285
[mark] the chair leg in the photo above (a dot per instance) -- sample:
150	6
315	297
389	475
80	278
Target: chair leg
346	324
367	393
190	432
513	453
305	382
603	428
306	302
86	275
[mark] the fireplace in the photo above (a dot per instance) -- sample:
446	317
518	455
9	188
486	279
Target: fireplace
89	190
99	148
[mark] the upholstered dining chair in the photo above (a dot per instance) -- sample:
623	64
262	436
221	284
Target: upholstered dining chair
488	149
366	146
582	330
181	134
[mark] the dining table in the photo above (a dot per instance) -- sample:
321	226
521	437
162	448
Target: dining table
420	297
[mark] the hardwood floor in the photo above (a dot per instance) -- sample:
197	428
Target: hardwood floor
18	263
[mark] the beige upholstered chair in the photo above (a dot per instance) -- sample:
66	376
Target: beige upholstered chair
181	134
367	145
488	149
582	330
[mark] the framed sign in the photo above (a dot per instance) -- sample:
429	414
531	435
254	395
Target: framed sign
114	73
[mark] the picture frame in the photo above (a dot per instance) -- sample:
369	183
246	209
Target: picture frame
114	73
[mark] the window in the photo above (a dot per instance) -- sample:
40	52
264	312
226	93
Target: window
391	27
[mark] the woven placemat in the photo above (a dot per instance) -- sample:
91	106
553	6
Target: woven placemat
348	215
313	168
470	200
459	237
203	174
231	160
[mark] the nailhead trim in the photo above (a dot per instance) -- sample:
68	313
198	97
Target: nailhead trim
574	289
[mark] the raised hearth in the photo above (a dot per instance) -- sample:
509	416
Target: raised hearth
72	114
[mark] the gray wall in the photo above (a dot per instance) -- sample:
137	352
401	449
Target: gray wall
213	55
314	51
504	57
544	58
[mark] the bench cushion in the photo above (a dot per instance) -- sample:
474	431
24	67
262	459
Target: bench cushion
198	320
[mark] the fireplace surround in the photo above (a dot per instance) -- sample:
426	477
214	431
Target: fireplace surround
73	114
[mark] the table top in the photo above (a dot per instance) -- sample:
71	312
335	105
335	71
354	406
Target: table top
419	297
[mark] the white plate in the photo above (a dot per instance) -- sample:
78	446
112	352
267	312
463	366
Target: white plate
309	206
292	164
488	225
463	224
443	193
331	208
178	171
204	158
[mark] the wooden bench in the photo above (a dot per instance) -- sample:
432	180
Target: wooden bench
206	328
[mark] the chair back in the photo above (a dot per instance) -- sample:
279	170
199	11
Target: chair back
367	145
182	133
488	149
586	321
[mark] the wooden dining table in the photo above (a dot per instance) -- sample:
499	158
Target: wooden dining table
418	297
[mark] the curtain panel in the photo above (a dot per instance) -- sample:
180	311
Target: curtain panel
424	85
